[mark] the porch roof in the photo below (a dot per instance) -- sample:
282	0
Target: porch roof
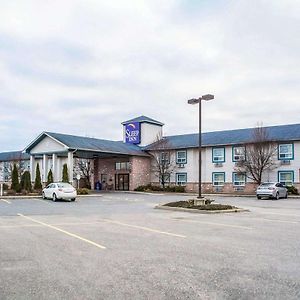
80	143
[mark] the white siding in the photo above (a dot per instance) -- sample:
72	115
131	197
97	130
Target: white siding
149	133
48	145
208	167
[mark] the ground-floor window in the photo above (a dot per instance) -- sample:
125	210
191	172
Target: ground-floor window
165	178
218	178
181	178
286	177
238	179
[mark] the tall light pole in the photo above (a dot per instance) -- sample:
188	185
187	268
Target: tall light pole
198	101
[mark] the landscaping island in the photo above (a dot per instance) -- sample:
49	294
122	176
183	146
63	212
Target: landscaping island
190	204
208	207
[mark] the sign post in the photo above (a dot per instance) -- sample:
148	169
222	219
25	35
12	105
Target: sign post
78	180
1	189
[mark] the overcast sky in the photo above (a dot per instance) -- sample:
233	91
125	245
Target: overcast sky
84	66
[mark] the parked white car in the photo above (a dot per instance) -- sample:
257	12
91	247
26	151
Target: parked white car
59	190
275	190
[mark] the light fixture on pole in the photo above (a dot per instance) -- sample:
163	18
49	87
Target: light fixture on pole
207	97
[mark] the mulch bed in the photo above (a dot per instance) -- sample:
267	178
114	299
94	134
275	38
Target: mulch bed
190	204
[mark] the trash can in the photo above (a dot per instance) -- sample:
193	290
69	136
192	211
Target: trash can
98	186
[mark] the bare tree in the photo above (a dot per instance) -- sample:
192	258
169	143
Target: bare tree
20	164
260	155
85	169
163	164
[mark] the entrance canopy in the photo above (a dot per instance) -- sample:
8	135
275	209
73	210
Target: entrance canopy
83	147
63	148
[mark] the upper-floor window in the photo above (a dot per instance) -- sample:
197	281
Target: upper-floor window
218	155
218	178
285	151
164	157
181	178
181	157
122	165
238	153
286	177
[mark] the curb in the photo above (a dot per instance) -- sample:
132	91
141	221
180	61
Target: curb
40	197
197	211
144	193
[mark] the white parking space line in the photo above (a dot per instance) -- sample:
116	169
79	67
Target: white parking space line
213	223
143	228
6	201
280	214
63	231
280	221
56	224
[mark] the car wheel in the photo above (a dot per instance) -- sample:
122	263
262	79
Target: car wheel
73	199
54	197
43	195
277	196
286	195
258	197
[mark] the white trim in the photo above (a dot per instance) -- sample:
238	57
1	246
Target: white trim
46	134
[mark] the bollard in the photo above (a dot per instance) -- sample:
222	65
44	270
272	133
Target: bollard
1	189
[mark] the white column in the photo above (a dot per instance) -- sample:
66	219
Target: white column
32	168
45	167
54	166
70	166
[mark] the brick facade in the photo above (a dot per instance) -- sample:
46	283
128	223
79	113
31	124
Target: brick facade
139	171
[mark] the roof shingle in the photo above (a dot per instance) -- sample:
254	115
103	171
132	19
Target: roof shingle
230	137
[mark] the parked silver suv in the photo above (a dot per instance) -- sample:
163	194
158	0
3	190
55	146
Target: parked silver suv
275	190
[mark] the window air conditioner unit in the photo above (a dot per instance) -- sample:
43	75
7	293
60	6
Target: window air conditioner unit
218	189
285	162
181	166
218	165
239	188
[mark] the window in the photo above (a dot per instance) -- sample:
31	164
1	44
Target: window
104	178
239	179
286	177
164	157
238	153
181	157
122	165
181	178
285	151
218	179
218	155
166	178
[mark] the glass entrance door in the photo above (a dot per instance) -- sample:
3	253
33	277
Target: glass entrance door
122	182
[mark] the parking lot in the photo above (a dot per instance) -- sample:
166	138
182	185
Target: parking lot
116	246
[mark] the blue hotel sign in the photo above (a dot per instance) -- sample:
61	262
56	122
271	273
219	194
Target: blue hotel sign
133	133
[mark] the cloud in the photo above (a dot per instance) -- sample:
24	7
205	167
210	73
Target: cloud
83	67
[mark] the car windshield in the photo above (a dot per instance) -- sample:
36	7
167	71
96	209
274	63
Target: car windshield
267	184
64	185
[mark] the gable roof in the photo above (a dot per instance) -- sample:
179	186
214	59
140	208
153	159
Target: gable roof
14	155
279	133
143	119
72	142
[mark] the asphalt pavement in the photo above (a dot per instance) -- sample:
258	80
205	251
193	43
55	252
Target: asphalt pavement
116	246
